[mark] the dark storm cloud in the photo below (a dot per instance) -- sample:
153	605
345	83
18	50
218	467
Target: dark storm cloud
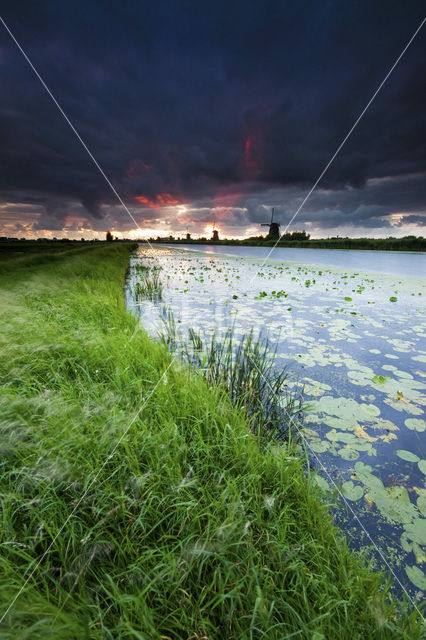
179	100
383	203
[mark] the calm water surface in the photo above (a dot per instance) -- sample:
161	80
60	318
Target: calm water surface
351	326
391	262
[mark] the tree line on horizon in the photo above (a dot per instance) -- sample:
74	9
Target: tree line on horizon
301	239
295	239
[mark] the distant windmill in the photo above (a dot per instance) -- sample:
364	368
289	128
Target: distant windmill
274	227
215	236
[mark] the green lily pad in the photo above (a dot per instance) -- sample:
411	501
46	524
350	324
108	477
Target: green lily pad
319	446
422	466
362	468
347	409
407	455
347	453
352	491
365	446
394	504
416	530
421	504
336	436
337	423
417	577
415	424
419	553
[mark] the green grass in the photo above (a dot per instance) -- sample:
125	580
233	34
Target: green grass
185	528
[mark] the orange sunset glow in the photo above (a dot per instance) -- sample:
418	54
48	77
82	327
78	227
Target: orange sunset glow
160	199
208	229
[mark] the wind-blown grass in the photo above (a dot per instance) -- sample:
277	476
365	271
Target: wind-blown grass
190	529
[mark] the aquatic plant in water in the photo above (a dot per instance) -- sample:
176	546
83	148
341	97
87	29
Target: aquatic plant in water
246	372
149	286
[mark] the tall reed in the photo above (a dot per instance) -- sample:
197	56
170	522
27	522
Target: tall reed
149	286
245	370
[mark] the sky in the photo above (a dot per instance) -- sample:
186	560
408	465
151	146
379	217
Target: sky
202	112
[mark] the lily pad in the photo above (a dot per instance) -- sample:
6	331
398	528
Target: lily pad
362	468
336	436
394	504
421	504
417	577
407	455
416	530
415	424
348	453
422	466
352	491
319	446
347	409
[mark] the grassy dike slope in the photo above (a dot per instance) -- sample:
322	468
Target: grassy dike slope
189	530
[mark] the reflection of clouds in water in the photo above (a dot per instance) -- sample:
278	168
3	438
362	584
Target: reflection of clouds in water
358	355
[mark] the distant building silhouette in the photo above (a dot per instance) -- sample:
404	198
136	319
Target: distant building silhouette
274	228
215	236
188	236
108	236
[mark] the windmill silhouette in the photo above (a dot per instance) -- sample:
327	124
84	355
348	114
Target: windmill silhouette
274	227
215	236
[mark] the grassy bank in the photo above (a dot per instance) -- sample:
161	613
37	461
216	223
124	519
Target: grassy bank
184	528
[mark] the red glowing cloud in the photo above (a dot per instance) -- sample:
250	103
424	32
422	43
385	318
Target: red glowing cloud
166	198
251	156
160	200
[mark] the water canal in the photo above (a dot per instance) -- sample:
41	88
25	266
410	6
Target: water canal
351	327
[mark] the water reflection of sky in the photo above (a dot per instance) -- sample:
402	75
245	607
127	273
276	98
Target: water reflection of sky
391	262
356	340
